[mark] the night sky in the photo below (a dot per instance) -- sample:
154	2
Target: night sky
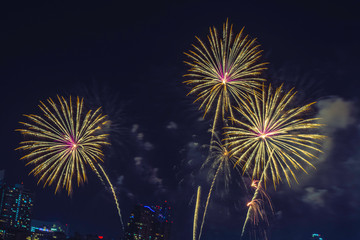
128	58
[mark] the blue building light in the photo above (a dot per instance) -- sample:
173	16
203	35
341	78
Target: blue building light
149	208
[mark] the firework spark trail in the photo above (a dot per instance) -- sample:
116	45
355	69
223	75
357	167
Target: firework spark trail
208	197
254	198
213	129
97	173
114	195
223	71
220	159
258	210
196	213
255	184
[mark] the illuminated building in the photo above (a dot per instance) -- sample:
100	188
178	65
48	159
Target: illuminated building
16	205
41	230
149	222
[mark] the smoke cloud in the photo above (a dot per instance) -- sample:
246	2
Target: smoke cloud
336	113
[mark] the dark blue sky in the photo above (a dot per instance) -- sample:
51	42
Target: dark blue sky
128	57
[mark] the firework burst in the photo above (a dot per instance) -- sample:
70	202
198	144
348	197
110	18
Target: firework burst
223	71
63	142
272	125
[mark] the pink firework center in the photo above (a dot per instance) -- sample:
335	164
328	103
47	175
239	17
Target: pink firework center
72	144
224	78
265	133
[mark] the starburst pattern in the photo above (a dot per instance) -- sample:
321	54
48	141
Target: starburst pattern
223	71
63	141
270	124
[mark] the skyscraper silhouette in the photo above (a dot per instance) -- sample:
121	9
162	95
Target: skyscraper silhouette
149	222
16	205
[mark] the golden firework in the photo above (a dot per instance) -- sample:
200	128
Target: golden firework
223	71
63	141
270	124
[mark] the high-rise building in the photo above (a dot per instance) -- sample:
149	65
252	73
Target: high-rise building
16	205
149	222
42	230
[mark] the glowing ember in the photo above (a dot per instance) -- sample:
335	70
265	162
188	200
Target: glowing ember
224	79
255	183
263	135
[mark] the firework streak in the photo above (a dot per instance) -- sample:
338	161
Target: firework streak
196	212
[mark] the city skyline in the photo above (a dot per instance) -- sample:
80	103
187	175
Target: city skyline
16	203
